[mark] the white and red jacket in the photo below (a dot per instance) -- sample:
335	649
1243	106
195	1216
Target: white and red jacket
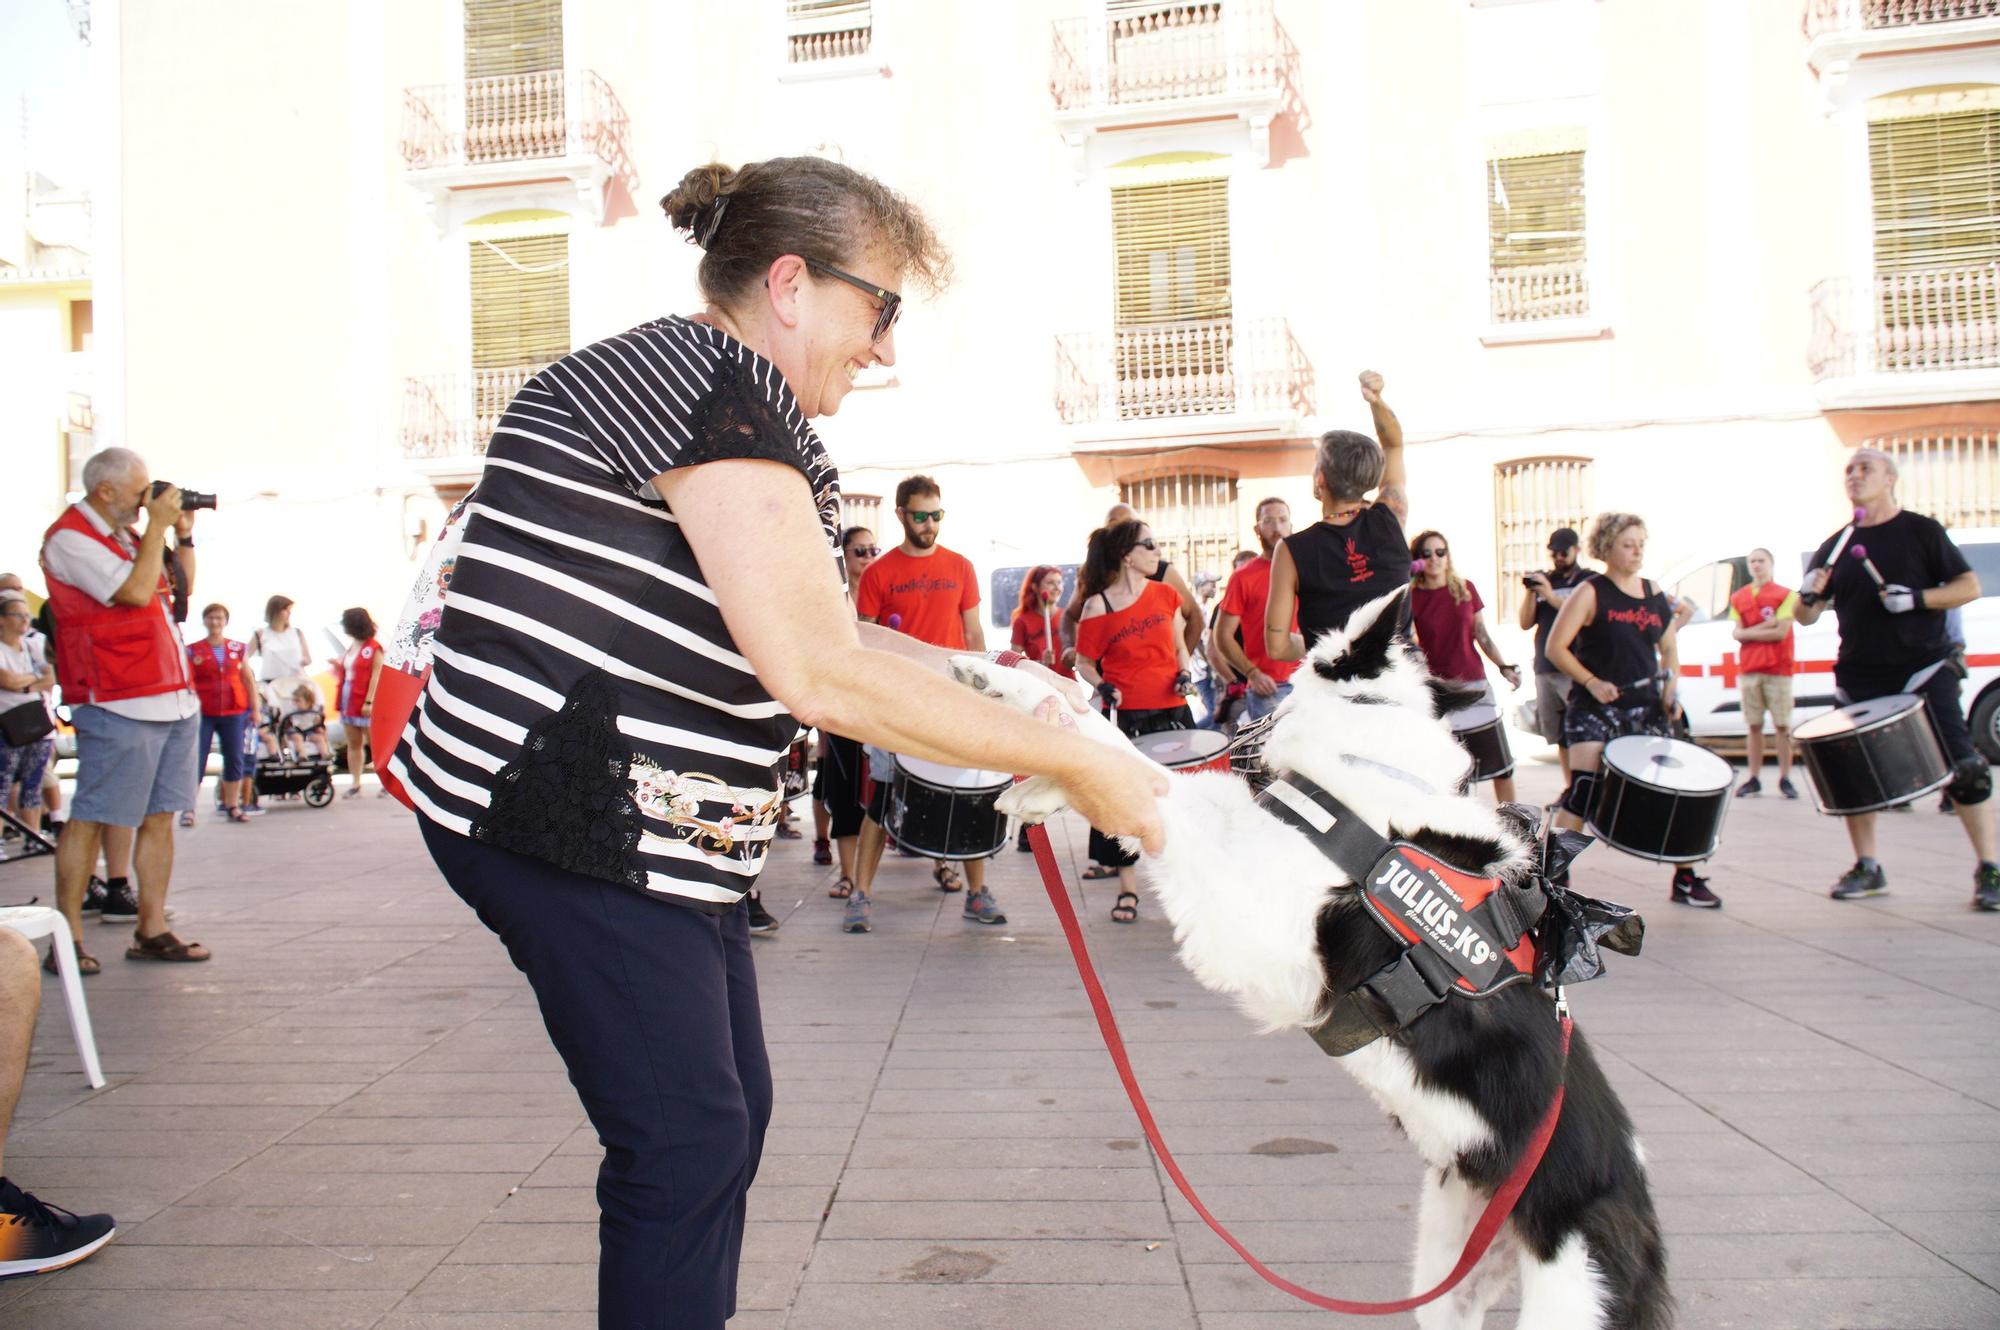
109	653
220	687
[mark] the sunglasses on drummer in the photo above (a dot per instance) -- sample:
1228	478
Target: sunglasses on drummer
1436	552
865	551
1148	544
892	303
918	516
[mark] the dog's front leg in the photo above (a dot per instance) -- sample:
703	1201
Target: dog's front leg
1449	1211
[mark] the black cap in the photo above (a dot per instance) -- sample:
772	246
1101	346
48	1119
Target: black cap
1563	539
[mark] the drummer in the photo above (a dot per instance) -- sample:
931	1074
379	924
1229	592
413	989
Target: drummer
1131	647
1614	638
1444	609
1893	640
837	785
932	594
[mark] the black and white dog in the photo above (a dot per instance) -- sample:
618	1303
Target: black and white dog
1469	1080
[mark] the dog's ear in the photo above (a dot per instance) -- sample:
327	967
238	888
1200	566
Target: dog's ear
1448	697
1372	633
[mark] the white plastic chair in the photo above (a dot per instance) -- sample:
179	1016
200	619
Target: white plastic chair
39	921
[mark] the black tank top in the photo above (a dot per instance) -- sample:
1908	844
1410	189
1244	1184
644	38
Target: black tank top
1621	642
1342	568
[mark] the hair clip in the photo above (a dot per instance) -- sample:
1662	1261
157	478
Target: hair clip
720	205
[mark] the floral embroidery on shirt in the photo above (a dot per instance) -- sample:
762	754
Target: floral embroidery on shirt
676	799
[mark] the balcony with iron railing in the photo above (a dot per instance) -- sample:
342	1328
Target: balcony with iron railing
1840	32
1930	335
1194	61
1212	376
448	419
523	130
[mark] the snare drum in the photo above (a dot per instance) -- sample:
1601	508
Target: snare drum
1185	750
1480	733
1660	799
1873	755
941	812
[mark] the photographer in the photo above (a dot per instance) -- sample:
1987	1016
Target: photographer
1546	594
124	672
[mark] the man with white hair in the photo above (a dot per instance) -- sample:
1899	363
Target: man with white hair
1891	607
124	673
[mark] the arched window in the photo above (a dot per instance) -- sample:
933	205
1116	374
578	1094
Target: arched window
1193	517
1531	498
1952	476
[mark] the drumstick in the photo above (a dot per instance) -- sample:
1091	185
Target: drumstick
1809	597
1861	552
894	623
1048	632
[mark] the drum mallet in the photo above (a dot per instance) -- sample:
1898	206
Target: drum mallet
1861	552
1810	598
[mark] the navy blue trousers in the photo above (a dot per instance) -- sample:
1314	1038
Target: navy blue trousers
653	1008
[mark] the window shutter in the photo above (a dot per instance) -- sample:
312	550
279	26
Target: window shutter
1936	182
1535	236
512	37
1954	478
520	301
1192	515
1531	498
1171	251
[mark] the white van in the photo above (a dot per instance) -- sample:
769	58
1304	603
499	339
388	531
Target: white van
1708	653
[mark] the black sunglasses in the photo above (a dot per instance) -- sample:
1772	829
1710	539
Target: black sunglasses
1436	552
865	551
892	304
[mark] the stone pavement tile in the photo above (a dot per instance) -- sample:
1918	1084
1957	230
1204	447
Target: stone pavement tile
102	1116
516	1157
1308	1318
1238	1288
483	1190
1950	1232
528	1244
1863	1131
1766	1176
1841	1158
1852	1304
491	1320
800	1140
847	1114
1112	1152
371	1104
505	1288
1914	1102
812	1171
58	1308
1820	1255
991	1307
881	1261
549	1131
958	1221
542	1205
941	1183
43	1139
172	1175
1296	1242
1941	1191
151	1091
354	1229
137	1267
473	1086
1812	1212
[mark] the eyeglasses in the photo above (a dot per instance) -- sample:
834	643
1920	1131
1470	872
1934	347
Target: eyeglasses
1437	553
1149	544
864	551
918	516
892	303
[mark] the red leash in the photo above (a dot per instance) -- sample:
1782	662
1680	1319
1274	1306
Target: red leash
1483	1232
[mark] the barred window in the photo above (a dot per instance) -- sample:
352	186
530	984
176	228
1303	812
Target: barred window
863	510
1193	517
1535	237
1531	498
1952	477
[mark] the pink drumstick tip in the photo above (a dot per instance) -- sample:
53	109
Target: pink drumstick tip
1858	551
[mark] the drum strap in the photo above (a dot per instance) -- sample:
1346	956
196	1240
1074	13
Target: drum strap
1461	933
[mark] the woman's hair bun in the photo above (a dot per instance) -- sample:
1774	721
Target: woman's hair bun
687	203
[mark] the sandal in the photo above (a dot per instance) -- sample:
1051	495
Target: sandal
1121	913
187	819
842	889
1098	872
163	947
786	831
236	815
85	962
948	878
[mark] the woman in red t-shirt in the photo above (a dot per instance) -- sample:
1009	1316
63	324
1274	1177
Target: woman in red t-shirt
358	671
1444	611
1130	648
1039	611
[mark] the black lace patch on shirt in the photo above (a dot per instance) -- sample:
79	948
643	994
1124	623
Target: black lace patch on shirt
565	799
736	419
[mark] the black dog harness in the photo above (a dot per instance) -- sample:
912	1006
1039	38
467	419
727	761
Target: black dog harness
1461	934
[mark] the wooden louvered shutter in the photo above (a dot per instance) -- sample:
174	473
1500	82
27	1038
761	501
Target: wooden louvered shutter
520	301
1531	499
512	37
1171	244
1535	236
1936	182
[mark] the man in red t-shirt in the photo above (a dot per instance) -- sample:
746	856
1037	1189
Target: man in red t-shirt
1762	613
1269	681
931	593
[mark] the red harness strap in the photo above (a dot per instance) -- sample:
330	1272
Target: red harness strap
1483	1232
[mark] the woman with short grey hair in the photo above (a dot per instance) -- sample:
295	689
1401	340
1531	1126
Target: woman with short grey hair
1356	552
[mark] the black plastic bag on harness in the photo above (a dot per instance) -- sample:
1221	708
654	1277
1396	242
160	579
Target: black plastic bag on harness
1575	930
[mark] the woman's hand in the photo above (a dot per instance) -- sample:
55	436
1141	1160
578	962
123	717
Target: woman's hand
1512	674
1118	792
1603	690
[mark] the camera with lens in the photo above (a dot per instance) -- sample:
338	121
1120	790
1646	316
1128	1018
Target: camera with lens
190	499
1531	580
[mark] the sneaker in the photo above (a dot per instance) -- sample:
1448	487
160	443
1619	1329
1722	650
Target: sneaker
981	908
1858	881
1786	788
36	1237
822	852
1750	788
1692	890
93	897
1986	887
254	810
761	921
855	918
121	905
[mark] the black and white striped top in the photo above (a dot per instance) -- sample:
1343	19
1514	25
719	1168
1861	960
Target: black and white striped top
586	704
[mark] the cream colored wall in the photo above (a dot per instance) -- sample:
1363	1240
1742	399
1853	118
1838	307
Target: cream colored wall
37	373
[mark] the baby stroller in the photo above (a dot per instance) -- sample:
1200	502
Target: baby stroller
308	774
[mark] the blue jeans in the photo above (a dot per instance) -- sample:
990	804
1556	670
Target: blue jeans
230	728
653	1007
1256	708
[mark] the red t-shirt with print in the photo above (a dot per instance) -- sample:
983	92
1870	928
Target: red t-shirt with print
1249	589
927	595
1134	648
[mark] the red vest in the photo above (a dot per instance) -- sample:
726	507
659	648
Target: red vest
109	653
220	687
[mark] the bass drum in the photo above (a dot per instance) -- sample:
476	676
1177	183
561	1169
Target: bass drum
1660	799
940	812
1873	755
1185	750
1480	732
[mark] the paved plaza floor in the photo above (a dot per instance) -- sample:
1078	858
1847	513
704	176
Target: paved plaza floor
351	1117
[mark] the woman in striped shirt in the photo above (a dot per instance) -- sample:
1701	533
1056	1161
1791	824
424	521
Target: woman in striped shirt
643	613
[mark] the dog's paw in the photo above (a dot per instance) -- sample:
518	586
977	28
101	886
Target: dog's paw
1036	799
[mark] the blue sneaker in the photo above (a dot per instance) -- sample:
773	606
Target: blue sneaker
981	908
855	919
